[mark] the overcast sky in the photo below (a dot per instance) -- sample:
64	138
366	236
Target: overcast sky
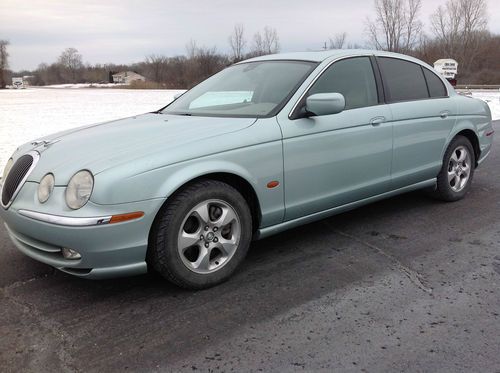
124	31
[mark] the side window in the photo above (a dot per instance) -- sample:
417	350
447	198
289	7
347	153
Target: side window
436	86
404	81
352	77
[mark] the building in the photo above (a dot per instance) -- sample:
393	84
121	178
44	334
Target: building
127	77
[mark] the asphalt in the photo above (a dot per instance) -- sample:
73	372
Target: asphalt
406	284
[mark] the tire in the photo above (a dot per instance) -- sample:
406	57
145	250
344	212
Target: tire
455	178
201	235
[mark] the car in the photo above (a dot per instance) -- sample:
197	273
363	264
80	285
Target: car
265	145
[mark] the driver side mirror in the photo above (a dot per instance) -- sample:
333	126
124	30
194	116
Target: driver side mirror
325	104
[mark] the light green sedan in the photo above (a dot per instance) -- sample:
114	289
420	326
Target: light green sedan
263	146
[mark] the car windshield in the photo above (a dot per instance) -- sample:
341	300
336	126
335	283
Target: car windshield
252	89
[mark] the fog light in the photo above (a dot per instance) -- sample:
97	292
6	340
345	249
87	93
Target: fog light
70	254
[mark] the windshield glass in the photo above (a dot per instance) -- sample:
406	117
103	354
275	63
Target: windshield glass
253	89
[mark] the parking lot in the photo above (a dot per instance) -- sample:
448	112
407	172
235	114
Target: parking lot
408	283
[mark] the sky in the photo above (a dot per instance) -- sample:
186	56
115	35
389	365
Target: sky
125	31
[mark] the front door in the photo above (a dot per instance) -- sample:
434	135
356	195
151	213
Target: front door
332	160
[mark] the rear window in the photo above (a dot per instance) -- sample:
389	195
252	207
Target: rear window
436	86
404	81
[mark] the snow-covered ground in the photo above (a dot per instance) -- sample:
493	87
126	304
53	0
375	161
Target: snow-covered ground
493	100
26	114
84	85
31	113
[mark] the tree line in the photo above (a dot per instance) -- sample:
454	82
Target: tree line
458	30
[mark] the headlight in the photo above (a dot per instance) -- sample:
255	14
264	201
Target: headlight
7	168
79	189
45	188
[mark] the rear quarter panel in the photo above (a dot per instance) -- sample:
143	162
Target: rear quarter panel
475	115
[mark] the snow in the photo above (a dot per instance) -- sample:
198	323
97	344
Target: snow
84	85
26	114
492	98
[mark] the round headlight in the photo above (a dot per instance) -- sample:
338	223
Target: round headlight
45	188
7	168
79	189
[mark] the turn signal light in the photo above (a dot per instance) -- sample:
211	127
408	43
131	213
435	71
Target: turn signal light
126	217
273	184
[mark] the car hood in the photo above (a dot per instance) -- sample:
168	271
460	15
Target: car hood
105	145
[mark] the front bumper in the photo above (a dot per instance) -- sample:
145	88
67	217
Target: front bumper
107	250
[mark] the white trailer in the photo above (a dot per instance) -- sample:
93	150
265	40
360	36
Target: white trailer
18	82
447	67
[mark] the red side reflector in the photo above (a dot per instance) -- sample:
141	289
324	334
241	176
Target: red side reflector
126	217
490	133
273	184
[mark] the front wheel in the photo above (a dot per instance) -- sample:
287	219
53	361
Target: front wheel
455	178
202	235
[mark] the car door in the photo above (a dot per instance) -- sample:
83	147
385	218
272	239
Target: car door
332	160
423	117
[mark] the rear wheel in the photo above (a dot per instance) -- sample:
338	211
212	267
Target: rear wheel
455	178
202	235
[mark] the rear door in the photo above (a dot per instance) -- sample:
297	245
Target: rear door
423	116
332	160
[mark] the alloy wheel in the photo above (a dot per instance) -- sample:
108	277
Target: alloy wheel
459	168
209	236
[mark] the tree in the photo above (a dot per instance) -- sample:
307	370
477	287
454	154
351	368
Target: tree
201	63
338	41
266	43
460	26
396	27
237	43
71	61
156	67
4	62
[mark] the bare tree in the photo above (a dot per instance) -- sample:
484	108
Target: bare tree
460	26
266	43
156	67
191	48
338	40
72	63
201	63
396	26
237	43
4	62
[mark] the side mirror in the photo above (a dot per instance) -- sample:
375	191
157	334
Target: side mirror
325	104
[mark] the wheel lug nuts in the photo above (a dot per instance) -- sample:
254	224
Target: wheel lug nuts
216	239
201	237
206	245
206	227
215	229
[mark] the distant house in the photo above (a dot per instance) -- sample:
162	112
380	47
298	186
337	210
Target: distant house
127	77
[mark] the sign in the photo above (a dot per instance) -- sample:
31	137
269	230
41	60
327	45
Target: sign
447	67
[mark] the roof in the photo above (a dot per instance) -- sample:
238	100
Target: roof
125	73
320	56
445	60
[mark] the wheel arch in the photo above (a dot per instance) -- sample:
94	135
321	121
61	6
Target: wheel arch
237	181
468	130
474	140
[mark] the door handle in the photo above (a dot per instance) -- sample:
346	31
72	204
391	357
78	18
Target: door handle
444	114
377	120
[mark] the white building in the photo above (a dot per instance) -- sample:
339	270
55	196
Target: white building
127	77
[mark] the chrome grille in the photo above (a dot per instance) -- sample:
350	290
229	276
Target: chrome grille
17	176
